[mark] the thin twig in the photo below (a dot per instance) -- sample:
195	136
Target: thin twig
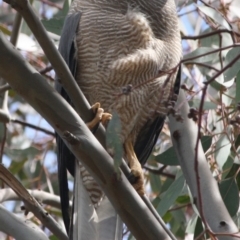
205	35
5	88
3	141
33	126
207	66
51	4
211	52
180	207
46	69
16	29
159	171
210	6
183	14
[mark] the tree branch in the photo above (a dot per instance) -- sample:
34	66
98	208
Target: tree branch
184	137
19	228
7	194
23	123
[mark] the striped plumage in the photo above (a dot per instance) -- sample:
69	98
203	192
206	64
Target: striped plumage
127	42
123	49
94	191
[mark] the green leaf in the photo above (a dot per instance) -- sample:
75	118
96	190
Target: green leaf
237	142
233	171
233	70
214	15
227	167
216	85
156	201
16	167
213	40
155	183
167	184
171	195
191	226
223	147
184	199
65	9
53	237
167	217
207	105
22	154
208	58
54	25
229	191
198	228
237	97
5	30
206	142
169	157
113	141
178	223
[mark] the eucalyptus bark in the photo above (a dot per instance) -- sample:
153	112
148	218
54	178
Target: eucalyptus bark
209	201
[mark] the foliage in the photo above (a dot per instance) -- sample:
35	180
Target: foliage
211	61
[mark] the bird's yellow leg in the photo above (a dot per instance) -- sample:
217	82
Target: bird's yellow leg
100	116
135	167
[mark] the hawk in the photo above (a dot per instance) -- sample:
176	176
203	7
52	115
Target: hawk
124	55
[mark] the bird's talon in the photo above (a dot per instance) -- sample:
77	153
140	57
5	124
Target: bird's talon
139	183
100	116
95	107
106	117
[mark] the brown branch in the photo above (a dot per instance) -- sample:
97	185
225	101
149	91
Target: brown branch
51	4
207	66
191	11
3	141
205	35
5	88
159	171
210	6
180	207
23	123
214	51
46	69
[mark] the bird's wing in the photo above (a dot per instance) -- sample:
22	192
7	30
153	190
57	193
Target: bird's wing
66	159
148	136
100	224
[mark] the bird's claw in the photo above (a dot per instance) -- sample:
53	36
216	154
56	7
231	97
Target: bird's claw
100	116
139	183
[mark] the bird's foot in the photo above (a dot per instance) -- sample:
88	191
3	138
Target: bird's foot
138	174
106	117
136	168
100	116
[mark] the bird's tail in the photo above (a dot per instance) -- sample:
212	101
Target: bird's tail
91	220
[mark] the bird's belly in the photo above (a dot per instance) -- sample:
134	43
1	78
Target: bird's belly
119	61
134	105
